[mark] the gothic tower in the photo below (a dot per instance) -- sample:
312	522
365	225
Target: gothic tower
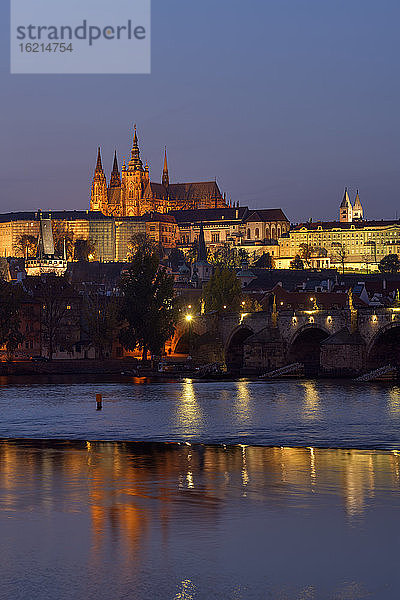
98	196
346	210
134	181
165	175
114	190
358	212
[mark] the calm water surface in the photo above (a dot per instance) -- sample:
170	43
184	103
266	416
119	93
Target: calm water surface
147	521
283	413
246	505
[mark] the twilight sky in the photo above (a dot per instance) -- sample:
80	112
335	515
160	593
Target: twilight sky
283	101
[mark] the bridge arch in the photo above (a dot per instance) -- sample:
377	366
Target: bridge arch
384	347
304	347
234	349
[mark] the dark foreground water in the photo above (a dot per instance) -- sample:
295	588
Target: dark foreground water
106	520
282	413
236	520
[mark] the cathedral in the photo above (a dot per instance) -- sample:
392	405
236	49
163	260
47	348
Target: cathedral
130	192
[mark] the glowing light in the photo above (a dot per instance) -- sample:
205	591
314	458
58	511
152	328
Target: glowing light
329	319
224	305
189	306
188	318
311	319
374	318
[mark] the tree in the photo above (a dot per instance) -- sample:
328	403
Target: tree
58	320
10	302
63	234
296	263
141	242
389	264
223	290
84	250
176	258
228	256
340	254
147	303
26	245
192	252
264	261
306	252
102	322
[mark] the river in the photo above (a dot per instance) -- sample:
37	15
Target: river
282	413
239	490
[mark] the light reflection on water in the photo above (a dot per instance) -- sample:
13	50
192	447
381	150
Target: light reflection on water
282	413
105	519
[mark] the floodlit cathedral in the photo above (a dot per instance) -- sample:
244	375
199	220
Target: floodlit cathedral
130	192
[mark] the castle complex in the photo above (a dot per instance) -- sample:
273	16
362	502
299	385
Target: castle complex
130	193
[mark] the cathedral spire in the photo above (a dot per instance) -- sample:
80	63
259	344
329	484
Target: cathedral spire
98	195
346	209
165	175
358	212
115	179
99	166
135	164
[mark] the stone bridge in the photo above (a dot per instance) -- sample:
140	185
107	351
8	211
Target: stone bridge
336	342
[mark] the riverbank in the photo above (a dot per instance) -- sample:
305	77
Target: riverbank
126	366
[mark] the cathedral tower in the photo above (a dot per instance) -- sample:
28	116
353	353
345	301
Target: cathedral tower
346	210
134	181
358	212
98	196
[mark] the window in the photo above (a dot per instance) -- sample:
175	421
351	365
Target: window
257	233
248	234
215	237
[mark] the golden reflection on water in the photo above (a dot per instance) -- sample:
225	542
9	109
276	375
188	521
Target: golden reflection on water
311	405
243	402
394	400
124	487
189	414
186	591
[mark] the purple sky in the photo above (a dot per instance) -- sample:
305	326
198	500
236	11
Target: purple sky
284	101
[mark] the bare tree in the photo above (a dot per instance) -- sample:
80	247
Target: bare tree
25	245
306	252
102	322
340	253
63	234
84	250
59	315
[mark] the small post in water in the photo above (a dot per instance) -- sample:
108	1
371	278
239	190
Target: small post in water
98	402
